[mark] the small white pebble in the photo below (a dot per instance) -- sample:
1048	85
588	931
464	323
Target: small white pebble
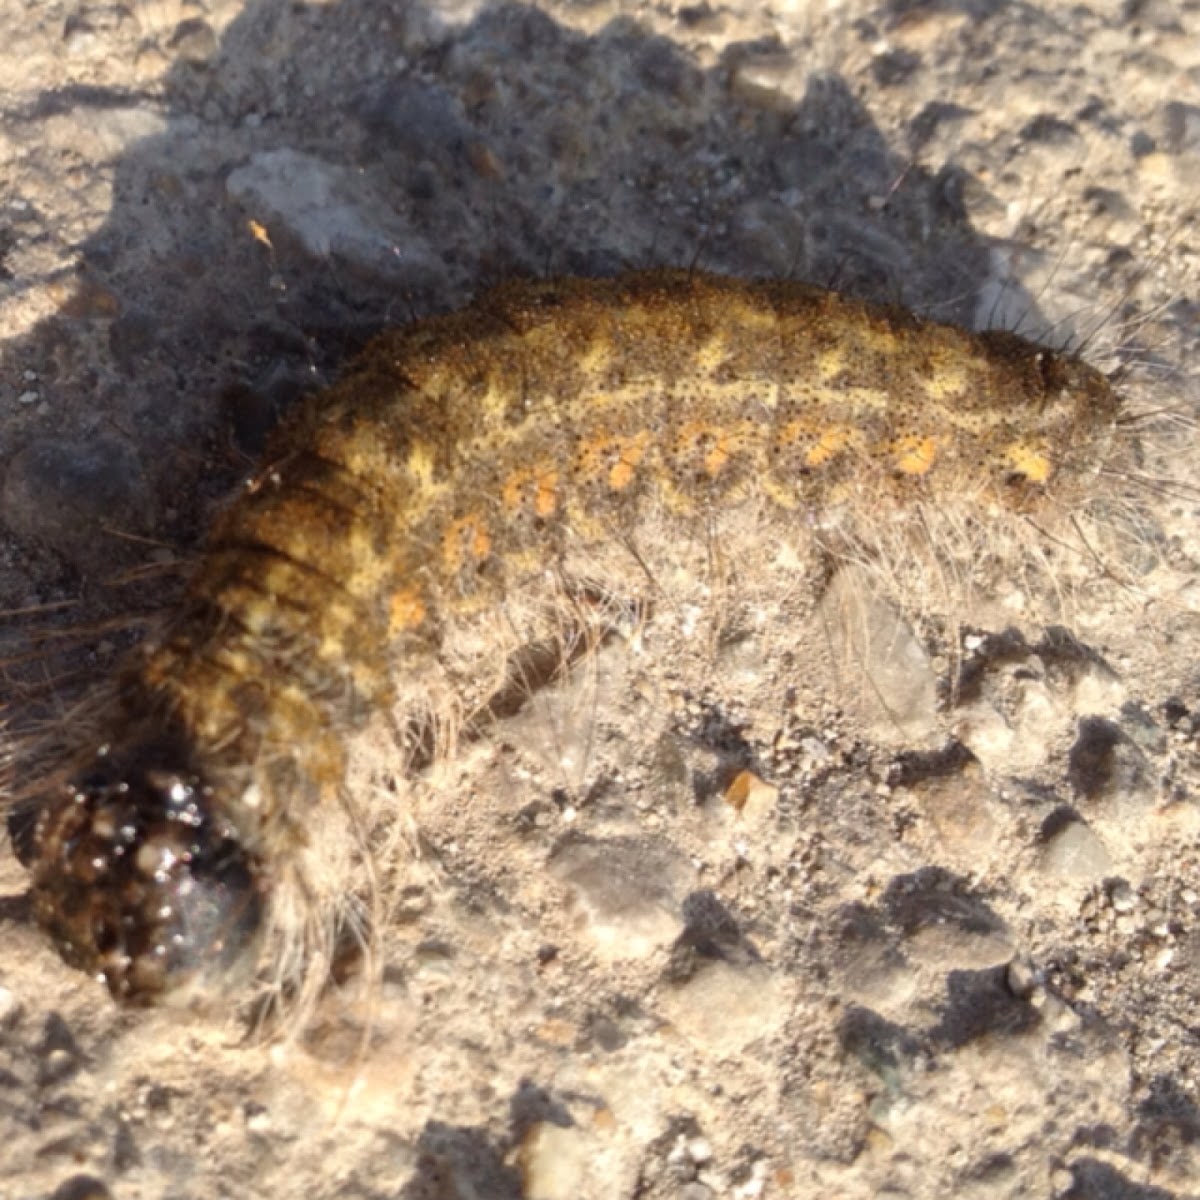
755	1184
259	1122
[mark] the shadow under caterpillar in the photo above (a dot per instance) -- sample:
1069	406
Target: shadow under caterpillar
543	435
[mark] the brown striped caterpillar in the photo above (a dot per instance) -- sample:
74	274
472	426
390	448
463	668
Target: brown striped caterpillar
473	481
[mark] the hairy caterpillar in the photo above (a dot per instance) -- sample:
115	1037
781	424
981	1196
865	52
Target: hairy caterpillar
470	476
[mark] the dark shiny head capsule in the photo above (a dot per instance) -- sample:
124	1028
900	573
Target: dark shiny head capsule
140	880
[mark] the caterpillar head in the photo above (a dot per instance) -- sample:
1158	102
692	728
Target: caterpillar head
141	881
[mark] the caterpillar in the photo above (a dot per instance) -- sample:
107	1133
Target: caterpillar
559	445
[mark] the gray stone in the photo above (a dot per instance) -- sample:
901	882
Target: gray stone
1076	853
194	41
888	674
629	893
333	213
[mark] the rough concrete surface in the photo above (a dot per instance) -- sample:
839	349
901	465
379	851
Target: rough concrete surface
939	934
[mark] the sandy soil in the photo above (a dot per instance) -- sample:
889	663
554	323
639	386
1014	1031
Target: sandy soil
903	963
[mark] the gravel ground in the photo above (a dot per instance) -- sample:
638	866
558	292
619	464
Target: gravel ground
884	961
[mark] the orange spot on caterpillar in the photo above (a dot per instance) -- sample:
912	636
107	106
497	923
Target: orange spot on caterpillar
465	542
829	445
715	445
407	611
915	455
615	457
540	483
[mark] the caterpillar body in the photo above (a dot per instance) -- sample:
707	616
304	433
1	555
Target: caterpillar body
476	471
